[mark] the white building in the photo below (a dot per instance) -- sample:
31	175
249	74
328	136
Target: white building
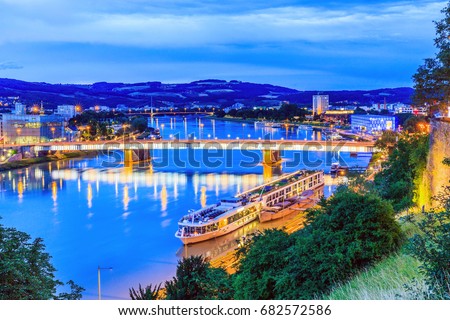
410	109
19	109
67	111
100	108
320	104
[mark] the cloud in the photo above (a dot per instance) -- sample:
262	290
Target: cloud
9	65
162	25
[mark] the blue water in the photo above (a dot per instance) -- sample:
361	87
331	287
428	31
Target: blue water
125	218
205	128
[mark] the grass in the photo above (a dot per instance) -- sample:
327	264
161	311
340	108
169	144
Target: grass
384	281
389	278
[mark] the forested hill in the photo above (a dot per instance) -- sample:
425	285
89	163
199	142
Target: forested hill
203	92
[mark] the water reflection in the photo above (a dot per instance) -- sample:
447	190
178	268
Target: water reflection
89	196
126	217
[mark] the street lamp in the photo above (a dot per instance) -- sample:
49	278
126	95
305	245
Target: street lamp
53	132
98	279
18	131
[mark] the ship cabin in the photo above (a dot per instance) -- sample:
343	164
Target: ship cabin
216	216
291	187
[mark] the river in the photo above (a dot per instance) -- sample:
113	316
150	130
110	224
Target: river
90	215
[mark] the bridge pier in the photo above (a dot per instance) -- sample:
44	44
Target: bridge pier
271	158
135	155
270	171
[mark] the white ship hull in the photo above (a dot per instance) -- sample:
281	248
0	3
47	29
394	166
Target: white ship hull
218	233
233	213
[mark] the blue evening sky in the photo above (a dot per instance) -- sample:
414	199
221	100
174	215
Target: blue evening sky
307	45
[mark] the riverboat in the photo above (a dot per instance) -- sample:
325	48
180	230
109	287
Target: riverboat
338	169
232	213
305	127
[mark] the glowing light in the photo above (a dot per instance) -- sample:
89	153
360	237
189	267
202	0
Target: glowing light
203	196
89	195
54	191
164	198
126	198
20	189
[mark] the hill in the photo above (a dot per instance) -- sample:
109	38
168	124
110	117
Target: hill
204	92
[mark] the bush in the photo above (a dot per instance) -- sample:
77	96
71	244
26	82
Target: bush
432	247
346	233
402	172
26	272
197	280
259	269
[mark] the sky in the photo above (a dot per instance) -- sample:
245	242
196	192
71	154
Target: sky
306	45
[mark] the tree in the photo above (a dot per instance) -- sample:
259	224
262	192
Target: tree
148	293
432	245
219	113
402	172
431	81
196	280
258	270
417	124
346	233
26	272
139	124
387	140
359	110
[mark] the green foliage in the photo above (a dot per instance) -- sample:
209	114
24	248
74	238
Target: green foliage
196	280
25	269
402	172
259	269
416	124
387	140
446	161
148	293
98	123
432	247
359	110
286	112
383	281
431	79
219	113
139	124
346	233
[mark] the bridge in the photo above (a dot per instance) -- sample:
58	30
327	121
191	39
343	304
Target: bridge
138	150
168	113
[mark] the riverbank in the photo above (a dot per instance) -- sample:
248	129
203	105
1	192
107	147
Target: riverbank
50	158
233	119
293	220
314	124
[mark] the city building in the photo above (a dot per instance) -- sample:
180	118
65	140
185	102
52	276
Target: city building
67	111
320	104
19	108
372	124
410	109
100	108
27	128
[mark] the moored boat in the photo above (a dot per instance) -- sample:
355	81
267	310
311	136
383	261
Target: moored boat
338	169
232	213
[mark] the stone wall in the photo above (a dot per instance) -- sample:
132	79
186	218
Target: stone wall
437	174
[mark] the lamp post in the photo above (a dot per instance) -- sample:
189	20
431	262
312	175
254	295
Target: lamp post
53	132
18	131
98	279
124	127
